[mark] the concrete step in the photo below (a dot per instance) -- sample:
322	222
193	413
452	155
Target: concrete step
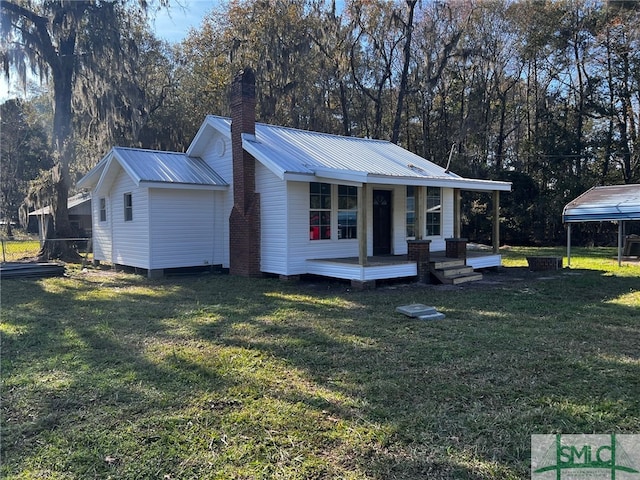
416	310
433	316
420	311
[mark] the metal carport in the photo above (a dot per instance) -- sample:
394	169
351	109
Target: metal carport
613	203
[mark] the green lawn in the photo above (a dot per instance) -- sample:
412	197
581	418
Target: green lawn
14	250
110	375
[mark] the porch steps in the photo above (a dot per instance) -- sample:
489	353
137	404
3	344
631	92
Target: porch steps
453	271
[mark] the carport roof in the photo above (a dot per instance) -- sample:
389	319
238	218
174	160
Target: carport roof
608	203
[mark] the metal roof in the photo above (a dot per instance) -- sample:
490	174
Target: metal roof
608	203
166	167
72	202
291	152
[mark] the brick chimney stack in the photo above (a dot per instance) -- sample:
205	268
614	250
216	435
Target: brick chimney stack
244	222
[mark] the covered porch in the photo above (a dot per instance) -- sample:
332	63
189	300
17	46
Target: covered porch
385	267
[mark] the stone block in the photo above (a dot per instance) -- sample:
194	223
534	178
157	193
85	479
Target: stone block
416	310
433	316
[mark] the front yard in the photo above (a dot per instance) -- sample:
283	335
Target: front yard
109	375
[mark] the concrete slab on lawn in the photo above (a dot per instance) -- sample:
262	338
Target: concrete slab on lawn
420	311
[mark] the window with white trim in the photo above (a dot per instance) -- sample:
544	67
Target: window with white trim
103	209
434	211
319	211
347	212
411	211
330	203
128	207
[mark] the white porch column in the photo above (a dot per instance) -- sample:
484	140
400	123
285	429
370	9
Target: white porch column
362	224
496	221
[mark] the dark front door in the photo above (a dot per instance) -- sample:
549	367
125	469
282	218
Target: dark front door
381	222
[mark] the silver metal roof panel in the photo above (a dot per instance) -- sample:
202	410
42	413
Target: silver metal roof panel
167	167
607	203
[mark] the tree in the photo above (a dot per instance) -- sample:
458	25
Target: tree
23	153
67	43
406	62
377	36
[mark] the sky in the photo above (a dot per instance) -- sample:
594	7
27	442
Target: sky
174	25
171	25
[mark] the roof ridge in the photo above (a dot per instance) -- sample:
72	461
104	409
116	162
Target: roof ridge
334	135
139	149
312	132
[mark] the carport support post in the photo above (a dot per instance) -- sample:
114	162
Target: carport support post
620	229
362	224
568	244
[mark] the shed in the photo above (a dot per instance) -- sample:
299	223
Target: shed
79	206
611	203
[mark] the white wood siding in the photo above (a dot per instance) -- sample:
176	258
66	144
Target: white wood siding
399	233
181	228
357	272
218	156
130	239
438	243
101	231
273	221
221	228
301	247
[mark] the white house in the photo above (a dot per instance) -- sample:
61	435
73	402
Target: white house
258	198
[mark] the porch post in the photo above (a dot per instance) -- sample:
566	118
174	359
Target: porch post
420	213
496	221
457	222
362	224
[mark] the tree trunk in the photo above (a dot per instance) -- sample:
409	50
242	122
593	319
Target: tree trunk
405	72
62	68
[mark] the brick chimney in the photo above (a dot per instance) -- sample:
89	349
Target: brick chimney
244	222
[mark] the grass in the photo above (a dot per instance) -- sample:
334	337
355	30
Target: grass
13	250
111	375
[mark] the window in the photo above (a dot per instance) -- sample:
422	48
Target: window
434	211
347	212
103	209
323	199
319	211
128	207
411	212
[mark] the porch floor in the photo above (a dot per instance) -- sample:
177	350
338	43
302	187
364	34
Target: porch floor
379	260
380	267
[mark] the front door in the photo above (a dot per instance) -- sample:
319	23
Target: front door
381	222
